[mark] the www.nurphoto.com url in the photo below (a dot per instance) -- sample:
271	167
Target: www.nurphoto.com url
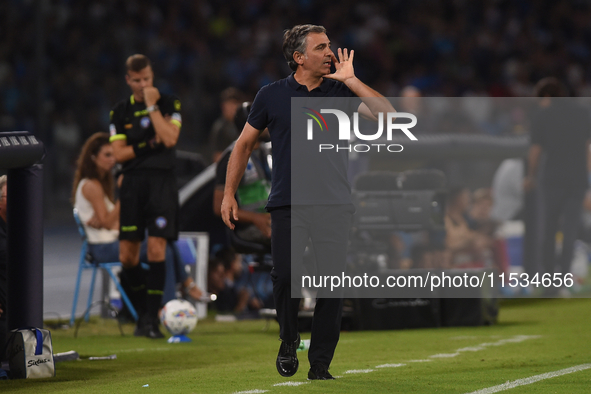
434	281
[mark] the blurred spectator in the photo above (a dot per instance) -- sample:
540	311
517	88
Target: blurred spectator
507	190
411	102
490	47
480	212
3	264
254	223
421	257
232	265
216	275
66	141
224	130
586	233
228	281
468	248
449	48
401	247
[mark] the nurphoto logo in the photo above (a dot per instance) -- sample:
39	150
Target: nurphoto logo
345	130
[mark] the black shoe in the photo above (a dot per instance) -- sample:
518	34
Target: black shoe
140	330
287	359
147	327
319	372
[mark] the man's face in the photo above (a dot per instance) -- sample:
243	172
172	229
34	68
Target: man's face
216	279
411	101
137	81
3	202
318	54
229	108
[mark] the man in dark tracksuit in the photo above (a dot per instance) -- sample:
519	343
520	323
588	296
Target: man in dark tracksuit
324	215
562	131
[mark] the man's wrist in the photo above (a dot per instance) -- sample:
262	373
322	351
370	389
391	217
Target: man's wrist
152	108
228	196
350	81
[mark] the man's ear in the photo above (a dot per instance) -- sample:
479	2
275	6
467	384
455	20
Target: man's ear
298	57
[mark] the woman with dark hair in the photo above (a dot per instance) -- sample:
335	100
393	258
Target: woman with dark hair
93	197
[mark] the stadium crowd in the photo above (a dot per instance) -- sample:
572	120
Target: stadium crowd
199	48
447	48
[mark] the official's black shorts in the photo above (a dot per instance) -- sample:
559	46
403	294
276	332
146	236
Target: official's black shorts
149	200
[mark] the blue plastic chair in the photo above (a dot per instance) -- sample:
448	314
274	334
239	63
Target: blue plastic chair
87	262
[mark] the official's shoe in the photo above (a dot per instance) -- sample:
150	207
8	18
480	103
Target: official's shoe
139	330
153	331
147	327
287	359
319	372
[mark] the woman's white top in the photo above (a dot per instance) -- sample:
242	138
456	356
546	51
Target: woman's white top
86	212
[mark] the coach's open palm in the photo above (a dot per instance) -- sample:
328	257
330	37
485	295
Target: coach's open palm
343	65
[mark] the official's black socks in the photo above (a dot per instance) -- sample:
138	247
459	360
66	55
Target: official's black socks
136	281
155	287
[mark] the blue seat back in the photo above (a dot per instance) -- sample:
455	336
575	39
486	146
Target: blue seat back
81	229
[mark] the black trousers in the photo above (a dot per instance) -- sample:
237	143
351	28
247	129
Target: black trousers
565	204
533	218
327	226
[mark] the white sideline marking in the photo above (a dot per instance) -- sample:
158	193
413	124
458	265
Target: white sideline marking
390	365
158	349
471	349
360	370
251	392
531	379
482	346
445	355
290	384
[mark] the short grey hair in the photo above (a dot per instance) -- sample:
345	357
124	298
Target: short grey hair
294	40
3	180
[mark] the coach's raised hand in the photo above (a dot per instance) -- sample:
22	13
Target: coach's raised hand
343	65
373	101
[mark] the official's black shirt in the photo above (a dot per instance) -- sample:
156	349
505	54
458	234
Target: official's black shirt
130	121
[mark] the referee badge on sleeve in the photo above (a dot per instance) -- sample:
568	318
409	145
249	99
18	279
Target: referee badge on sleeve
145	122
161	222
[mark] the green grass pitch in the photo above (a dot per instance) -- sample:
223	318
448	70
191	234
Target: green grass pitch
532	337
